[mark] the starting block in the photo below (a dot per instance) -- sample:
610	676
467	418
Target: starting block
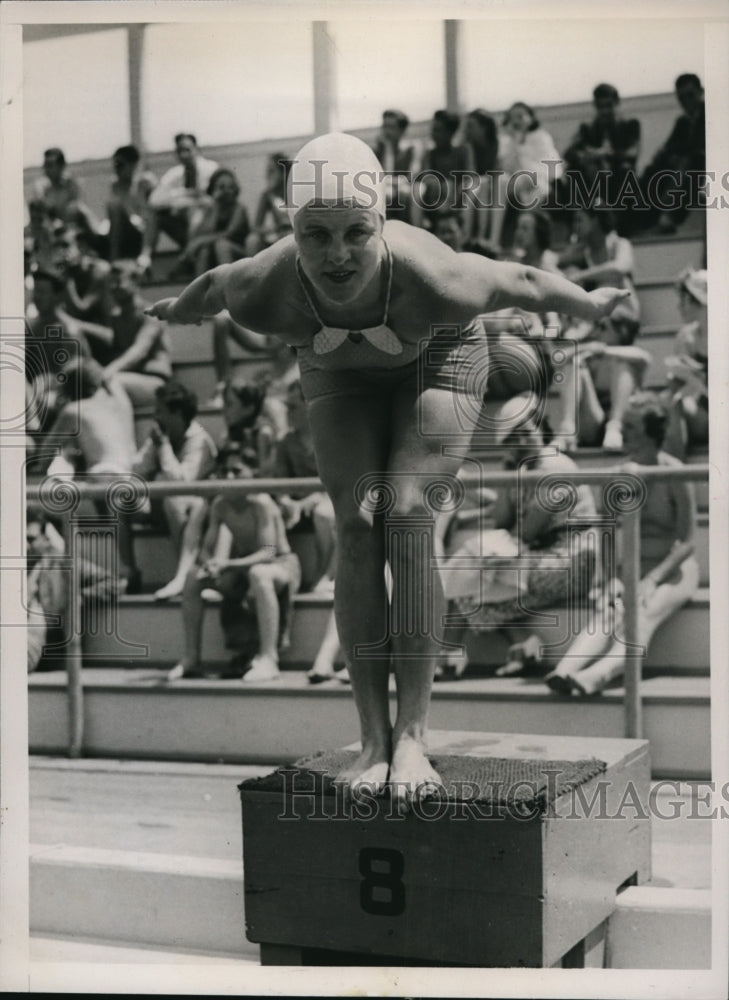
518	864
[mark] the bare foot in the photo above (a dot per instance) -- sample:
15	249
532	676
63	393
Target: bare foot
412	776
368	774
173	589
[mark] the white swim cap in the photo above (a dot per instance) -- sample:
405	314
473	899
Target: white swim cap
336	167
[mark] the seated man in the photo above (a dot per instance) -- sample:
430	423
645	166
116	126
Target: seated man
180	190
294	457
177	449
605	151
128	209
260	569
139	353
684	150
60	193
398	158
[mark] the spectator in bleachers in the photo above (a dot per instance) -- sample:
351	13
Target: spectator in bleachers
127	208
481	136
282	368
398	157
687	395
52	337
177	449
139	353
440	181
532	241
180	190
219	228
48	580
607	367
40	238
684	150
87	280
668	569
95	433
528	164
526	552
605	150
272	221
448	226
60	193
307	510
260	570
242	405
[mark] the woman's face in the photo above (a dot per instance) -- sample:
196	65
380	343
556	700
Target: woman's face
519	117
235	413
635	439
473	131
226	189
439	133
340	249
525	234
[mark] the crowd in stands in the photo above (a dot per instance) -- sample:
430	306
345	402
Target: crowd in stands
98	366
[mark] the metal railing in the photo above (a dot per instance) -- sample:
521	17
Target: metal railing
629	525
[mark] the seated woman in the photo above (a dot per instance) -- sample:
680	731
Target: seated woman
606	368
261	566
218	232
87	281
139	355
481	137
529	163
669	571
526	554
440	181
687	395
272	221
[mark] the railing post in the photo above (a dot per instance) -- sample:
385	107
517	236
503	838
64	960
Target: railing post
633	724
74	679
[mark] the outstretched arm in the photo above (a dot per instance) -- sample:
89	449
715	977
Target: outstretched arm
497	285
205	296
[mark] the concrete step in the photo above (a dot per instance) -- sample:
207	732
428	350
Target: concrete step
157	561
190	903
660	928
659	302
137	714
665	258
140	631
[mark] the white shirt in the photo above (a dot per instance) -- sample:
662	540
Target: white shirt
171	191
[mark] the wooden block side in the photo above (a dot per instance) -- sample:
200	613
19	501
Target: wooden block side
596	840
447	890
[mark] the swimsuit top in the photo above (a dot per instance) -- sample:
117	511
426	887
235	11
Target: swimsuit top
375	347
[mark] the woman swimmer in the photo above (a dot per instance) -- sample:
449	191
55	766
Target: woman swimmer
393	367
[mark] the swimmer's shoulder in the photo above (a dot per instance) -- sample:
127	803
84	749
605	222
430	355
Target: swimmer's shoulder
263	294
437	271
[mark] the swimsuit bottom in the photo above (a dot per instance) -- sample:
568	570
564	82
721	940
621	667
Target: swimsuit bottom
455	361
